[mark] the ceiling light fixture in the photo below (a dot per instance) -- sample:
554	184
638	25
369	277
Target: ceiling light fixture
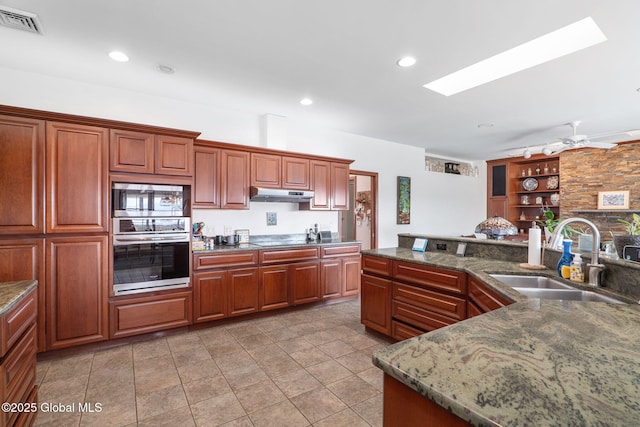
546	150
406	61
306	101
167	69
118	56
558	43
485	125
527	153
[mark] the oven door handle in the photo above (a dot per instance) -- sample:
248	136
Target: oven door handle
154	239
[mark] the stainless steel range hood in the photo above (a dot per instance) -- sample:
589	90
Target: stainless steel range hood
261	194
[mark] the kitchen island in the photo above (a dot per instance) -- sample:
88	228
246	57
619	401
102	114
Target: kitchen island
535	362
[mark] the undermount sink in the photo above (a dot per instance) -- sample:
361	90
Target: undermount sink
539	282
567	295
548	288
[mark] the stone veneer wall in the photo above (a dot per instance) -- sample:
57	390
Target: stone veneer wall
586	171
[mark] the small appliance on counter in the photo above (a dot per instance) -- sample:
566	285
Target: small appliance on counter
324	236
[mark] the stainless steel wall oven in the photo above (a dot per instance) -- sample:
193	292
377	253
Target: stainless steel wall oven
150	237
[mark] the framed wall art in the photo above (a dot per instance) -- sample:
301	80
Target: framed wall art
613	199
404	200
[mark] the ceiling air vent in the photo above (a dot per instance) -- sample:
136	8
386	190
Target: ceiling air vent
20	19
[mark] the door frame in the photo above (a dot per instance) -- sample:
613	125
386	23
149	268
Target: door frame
374	203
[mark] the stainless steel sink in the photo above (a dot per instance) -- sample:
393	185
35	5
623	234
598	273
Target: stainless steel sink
539	282
567	295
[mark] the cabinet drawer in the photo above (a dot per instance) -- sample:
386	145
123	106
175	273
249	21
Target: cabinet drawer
436	302
484	297
19	370
148	314
17	320
438	278
376	265
286	255
418	317
401	332
336	251
231	259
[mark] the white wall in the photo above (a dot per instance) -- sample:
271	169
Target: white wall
441	204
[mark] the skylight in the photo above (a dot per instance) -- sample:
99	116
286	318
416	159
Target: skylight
558	43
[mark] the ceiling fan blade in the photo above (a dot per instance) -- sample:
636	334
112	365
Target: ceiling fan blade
616	136
603	145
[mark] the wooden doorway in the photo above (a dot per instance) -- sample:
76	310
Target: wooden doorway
360	221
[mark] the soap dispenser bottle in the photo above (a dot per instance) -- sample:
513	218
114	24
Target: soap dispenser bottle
564	264
576	273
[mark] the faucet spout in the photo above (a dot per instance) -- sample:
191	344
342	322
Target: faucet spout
594	267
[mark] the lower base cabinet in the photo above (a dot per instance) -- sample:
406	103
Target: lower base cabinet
135	316
243	291
305	282
376	303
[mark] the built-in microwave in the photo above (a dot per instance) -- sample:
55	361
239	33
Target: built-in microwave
149	200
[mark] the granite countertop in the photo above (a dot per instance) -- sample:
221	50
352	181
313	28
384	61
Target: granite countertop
272	245
535	362
12	292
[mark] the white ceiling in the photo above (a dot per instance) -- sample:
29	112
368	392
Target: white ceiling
263	56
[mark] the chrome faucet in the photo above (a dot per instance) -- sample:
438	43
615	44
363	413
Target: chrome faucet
594	268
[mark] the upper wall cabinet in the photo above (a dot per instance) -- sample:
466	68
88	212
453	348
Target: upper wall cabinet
221	178
206	177
77	179
21	175
141	152
275	171
330	184
234	185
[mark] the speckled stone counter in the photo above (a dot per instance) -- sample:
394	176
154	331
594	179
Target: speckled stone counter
12	292
274	244
533	363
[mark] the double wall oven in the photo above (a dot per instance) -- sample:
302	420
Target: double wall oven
151	232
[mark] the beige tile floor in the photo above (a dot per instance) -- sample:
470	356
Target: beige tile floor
309	367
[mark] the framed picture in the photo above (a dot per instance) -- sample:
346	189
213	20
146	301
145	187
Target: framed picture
613	199
404	200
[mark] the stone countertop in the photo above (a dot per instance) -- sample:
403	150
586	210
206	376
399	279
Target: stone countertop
535	362
272	245
12	292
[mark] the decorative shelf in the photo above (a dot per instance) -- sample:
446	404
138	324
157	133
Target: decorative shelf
622	211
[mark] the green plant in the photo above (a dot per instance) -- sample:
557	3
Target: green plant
550	222
633	226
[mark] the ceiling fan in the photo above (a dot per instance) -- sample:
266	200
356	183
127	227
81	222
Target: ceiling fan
603	141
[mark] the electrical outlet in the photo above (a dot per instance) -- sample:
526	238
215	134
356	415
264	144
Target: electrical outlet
441	246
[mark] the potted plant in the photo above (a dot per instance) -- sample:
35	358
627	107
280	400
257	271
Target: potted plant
549	223
632	238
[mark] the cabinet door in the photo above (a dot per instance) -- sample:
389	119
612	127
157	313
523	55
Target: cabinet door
295	173
320	184
131	151
211	296
234	170
76	290
305	282
350	276
173	155
331	278
243	291
376	304
274	287
266	170
23	259
339	186
21	175
77	178
206	181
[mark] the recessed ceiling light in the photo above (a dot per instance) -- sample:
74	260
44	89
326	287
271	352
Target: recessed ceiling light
555	44
306	101
118	56
164	68
485	125
406	61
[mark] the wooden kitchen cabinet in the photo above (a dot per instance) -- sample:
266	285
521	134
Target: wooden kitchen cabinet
234	190
18	359
340	270
77	178
23	259
376	303
331	278
483	299
305	282
76	290
274	287
22	143
243	291
295	173
144	314
339	186
206	179
211	295
266	170
330	184
141	152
